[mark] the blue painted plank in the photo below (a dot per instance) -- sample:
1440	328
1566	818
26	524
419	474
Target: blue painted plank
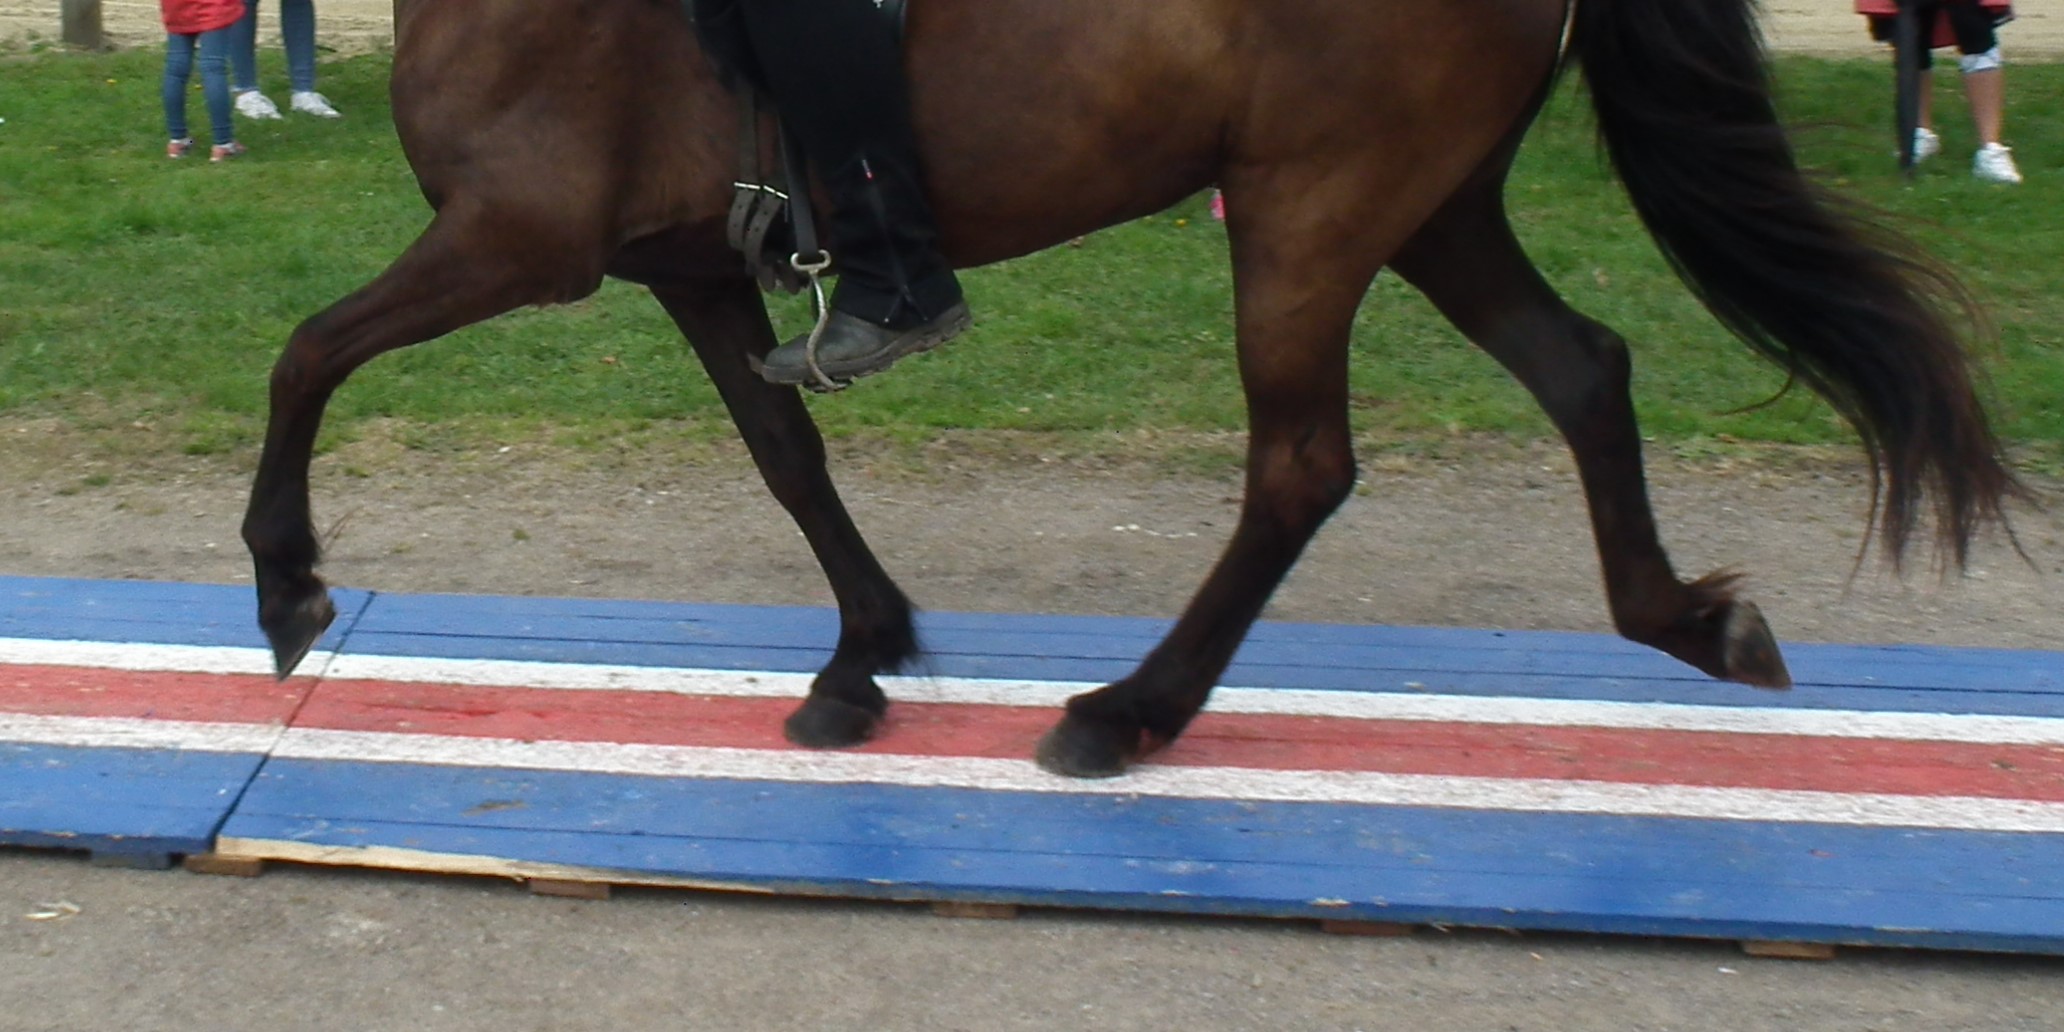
1272	643
800	638
1103	883
783	638
1597	900
1371	838
1086	648
1702	691
127	801
147	611
455	614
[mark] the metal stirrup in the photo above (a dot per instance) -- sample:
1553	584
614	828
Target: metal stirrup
813	271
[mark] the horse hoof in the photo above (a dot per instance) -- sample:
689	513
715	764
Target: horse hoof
295	633
1080	748
823	722
1750	650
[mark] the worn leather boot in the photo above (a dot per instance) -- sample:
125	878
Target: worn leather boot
836	73
896	295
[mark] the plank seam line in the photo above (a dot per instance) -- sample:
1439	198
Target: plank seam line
236	801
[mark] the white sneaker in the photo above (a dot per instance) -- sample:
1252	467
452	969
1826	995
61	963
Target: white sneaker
1926	144
252	104
1994	163
309	102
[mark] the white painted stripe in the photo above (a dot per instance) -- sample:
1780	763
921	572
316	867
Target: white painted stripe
1513	794
512	673
182	659
133	733
1412	706
1404	706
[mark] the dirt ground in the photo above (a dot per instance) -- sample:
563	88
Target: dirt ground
1493	536
1828	27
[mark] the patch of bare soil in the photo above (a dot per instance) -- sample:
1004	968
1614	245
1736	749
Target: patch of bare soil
1493	536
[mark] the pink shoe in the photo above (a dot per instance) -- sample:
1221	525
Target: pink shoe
176	149
1218	205
225	151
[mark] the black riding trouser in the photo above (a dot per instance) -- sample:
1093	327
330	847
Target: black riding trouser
834	68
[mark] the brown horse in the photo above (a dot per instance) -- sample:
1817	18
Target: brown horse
563	142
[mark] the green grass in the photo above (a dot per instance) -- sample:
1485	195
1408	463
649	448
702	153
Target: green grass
143	290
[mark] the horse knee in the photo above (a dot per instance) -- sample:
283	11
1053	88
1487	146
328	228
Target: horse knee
1298	486
301	369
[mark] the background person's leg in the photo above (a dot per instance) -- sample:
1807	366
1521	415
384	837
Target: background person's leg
1987	92
297	32
1985	88
215	48
178	67
243	64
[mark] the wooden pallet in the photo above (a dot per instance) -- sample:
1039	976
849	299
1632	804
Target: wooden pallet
573	883
1368	779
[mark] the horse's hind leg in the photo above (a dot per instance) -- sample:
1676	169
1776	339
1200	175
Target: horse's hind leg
462	270
725	322
1468	263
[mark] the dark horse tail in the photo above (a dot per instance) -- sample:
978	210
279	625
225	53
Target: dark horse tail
1684	106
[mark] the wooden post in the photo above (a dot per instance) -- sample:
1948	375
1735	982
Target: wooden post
81	26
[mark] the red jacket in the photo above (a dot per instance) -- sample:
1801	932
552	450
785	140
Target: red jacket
186	17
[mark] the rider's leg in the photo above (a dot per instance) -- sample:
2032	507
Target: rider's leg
836	72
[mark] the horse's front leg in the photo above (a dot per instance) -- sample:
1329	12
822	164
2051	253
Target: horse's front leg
726	321
1295	304
1468	263
463	269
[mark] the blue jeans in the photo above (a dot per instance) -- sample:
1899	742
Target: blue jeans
297	34
179	62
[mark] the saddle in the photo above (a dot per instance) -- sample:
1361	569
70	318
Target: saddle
770	223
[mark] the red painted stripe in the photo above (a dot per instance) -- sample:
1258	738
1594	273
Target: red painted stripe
1265	742
57	691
